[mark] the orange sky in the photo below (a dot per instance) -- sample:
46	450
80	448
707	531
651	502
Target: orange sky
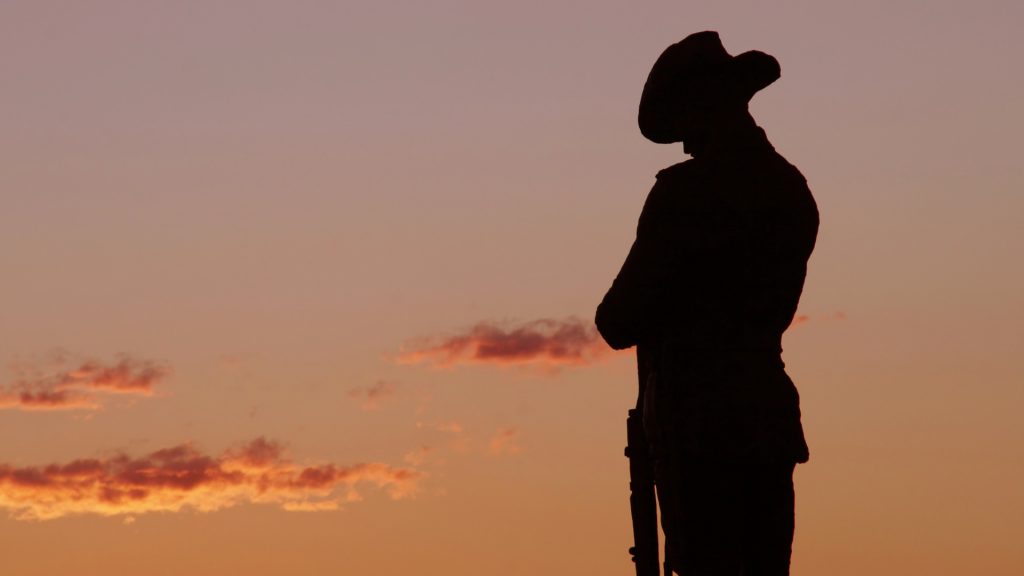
306	287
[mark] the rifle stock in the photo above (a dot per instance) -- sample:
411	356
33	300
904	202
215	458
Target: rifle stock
642	499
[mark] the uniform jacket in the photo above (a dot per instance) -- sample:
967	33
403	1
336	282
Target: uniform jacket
710	284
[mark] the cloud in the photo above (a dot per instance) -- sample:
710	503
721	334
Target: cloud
505	442
85	386
46	400
418	457
452	434
547	342
451	426
183	478
801	319
373	396
127	376
322	506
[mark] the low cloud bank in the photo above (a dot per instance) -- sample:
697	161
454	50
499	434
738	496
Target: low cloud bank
183	478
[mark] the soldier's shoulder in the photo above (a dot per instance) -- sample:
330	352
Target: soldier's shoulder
685	185
681	171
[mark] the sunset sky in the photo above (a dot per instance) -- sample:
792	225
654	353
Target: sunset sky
308	287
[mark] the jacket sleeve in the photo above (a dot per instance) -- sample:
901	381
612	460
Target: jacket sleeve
627	315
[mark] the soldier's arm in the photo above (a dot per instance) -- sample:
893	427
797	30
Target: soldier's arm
628	314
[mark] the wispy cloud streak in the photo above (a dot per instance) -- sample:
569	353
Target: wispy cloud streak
182	478
548	342
373	396
801	319
505	441
83	387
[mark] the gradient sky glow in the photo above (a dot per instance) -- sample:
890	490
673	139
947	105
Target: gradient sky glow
311	282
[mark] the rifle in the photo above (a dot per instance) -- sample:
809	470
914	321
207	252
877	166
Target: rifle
642	500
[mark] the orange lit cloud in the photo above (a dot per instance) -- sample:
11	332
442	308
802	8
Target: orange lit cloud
47	400
452	427
373	396
546	342
418	457
83	387
505	442
454	437
801	319
183	478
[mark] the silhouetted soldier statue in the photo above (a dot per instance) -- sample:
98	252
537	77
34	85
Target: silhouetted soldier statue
709	286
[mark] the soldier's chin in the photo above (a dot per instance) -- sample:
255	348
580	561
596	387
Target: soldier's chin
693	146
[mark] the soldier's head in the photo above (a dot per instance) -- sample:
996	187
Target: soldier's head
696	86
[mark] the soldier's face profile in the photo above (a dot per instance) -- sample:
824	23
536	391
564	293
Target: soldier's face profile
690	121
686	120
